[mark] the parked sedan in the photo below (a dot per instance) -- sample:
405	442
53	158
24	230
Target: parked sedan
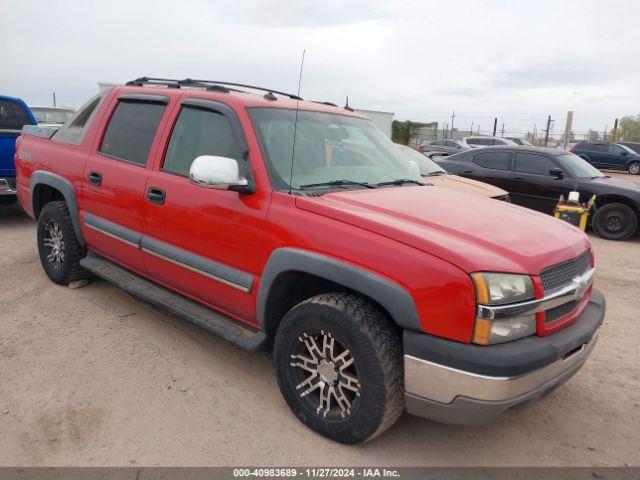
436	175
609	155
537	177
520	141
443	147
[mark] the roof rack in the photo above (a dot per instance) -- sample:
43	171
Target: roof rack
208	84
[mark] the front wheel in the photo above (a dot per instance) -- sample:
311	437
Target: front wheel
340	367
634	168
615	221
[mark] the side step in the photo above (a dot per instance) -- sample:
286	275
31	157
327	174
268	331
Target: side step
218	323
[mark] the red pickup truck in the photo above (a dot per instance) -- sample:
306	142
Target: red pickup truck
298	227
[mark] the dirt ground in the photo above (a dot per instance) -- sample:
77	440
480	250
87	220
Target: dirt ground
94	377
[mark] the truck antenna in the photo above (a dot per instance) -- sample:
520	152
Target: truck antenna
295	123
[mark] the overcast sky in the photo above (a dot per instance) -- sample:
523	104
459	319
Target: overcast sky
516	60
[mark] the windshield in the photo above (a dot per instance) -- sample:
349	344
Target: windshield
578	167
426	165
328	148
629	150
51	116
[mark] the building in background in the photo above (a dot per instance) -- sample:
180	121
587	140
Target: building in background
382	119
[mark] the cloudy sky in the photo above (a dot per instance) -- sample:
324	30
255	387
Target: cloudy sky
515	60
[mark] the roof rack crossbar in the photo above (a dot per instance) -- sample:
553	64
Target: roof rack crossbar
169	82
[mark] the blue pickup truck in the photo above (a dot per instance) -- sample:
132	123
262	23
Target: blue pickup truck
14	114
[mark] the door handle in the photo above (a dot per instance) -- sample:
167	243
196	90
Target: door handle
156	195
518	178
95	178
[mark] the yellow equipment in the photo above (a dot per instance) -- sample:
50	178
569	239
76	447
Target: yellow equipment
575	214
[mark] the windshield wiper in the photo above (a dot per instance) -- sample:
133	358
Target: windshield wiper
336	183
399	181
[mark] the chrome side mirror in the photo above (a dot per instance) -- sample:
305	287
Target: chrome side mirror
220	173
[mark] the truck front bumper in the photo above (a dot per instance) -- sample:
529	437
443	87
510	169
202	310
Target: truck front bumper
470	384
8	186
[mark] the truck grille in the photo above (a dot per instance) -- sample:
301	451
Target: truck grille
557	276
560	311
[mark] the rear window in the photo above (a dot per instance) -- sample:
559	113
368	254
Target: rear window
13	116
481	141
495	160
131	131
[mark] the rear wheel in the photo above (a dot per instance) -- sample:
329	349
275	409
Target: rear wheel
615	221
634	168
340	367
59	249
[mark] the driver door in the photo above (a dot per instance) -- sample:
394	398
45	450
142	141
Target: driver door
532	185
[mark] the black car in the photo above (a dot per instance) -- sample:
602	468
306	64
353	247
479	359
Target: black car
536	177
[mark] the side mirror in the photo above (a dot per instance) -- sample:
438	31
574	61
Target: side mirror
414	167
557	172
220	173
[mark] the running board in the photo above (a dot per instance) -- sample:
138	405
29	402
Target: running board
215	322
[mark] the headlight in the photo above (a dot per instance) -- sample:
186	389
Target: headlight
500	289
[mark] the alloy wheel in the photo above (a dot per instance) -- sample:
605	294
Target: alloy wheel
54	244
326	373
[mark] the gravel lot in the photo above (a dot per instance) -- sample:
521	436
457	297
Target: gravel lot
94	377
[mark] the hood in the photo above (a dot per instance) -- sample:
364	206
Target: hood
466	185
472	232
617	184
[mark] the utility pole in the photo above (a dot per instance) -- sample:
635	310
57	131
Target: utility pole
471	131
614	134
503	130
567	129
478	129
605	131
546	132
453	115
495	125
54	99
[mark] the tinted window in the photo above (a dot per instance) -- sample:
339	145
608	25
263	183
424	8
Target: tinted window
131	130
451	144
615	150
533	163
495	160
598	148
13	116
199	132
439	143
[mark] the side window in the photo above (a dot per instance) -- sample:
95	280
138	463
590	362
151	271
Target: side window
533	163
599	148
495	160
438	143
13	116
451	144
199	131
131	130
615	150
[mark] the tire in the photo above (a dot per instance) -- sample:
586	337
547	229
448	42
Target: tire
59	249
615	221
367	375
8	199
634	168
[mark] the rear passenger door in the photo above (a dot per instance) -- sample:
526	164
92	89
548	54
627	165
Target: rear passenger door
489	167
532	185
202	242
115	177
